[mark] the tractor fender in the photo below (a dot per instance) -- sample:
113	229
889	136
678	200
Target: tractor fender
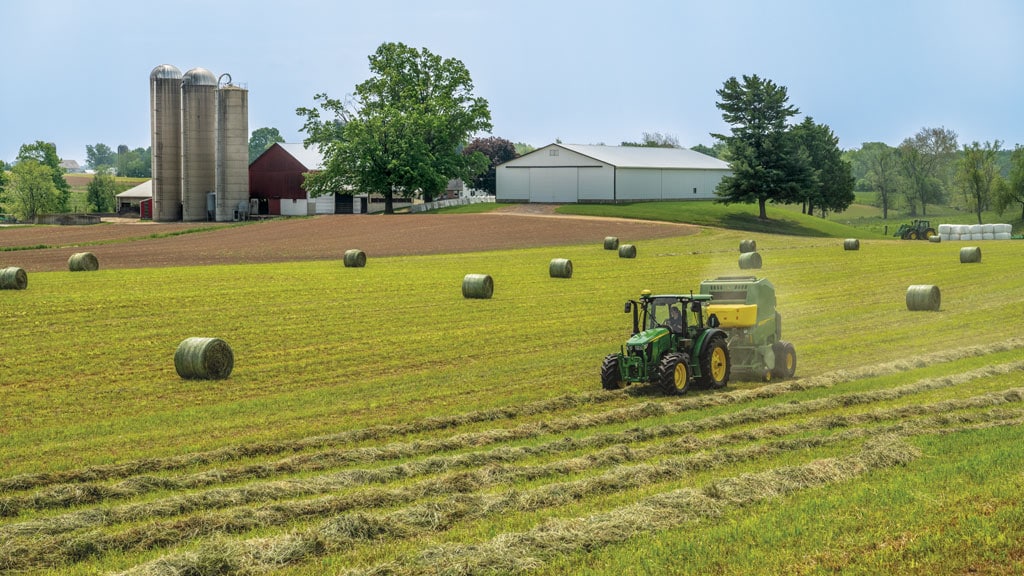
703	339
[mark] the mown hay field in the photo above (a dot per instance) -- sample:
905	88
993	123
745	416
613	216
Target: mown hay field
377	422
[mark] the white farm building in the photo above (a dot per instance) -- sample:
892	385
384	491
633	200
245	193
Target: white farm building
569	173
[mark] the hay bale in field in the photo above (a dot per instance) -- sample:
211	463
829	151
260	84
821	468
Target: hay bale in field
750	261
851	244
13	278
204	359
83	262
355	259
923	297
748	246
935	239
970	255
560	268
611	243
627	251
477	286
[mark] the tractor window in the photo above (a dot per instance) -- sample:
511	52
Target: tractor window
667	312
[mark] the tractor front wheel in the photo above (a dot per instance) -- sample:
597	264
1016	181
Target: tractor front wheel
673	373
785	359
611	377
715	364
912	235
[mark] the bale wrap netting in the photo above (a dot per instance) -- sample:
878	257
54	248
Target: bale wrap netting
560	268
477	286
851	244
748	246
204	359
355	258
970	255
13	278
83	262
611	243
627	251
750	260
923	297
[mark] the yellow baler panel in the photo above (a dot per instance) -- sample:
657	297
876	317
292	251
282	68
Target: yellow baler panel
734	315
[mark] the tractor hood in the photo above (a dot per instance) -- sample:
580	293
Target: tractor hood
641	339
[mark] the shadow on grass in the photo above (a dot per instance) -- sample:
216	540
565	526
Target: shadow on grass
751	223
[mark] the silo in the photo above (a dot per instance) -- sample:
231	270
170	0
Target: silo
198	142
232	150
165	125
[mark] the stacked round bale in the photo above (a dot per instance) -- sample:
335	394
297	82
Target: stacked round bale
750	259
975	231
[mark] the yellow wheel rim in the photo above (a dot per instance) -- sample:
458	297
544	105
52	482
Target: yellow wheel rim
789	362
681	375
718	364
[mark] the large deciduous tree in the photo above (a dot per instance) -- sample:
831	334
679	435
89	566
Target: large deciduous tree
924	159
100	155
497	150
404	133
261	139
45	153
977	175
31	190
831	187
1012	192
880	169
101	191
767	163
137	163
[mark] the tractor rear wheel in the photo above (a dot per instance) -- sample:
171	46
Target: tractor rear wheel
611	378
715	364
912	235
929	233
673	373
785	359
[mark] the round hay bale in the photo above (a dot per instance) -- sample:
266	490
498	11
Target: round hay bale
627	251
750	261
560	268
936	239
355	258
748	246
204	359
477	286
851	244
611	243
970	254
923	297
13	278
83	262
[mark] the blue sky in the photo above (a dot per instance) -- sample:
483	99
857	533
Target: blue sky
76	72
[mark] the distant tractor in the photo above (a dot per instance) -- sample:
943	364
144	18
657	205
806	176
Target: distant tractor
744	309
672	346
916	230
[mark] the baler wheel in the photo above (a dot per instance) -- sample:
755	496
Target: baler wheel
785	359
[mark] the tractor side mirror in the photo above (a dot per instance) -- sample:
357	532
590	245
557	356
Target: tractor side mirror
713	321
629	307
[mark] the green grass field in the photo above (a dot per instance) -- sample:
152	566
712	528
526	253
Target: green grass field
376	422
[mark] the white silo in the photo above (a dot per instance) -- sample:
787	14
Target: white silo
198	142
232	150
165	125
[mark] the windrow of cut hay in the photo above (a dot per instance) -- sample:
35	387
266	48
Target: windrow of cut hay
485	471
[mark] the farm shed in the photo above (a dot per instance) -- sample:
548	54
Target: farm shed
276	177
131	199
570	173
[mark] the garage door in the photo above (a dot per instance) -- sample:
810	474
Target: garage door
554	184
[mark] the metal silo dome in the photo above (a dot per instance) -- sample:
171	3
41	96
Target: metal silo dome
199	77
165	72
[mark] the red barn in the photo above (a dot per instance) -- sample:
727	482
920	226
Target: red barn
276	177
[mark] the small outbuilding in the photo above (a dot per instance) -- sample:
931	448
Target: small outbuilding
276	178
572	173
131	200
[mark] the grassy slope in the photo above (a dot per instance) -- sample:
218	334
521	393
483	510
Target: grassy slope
88	380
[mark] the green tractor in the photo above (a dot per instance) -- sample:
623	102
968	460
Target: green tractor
745	309
916	230
672	346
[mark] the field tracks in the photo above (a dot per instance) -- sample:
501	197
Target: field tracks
330	499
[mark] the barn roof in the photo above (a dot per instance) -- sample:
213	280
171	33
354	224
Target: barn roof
310	158
143	190
645	157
